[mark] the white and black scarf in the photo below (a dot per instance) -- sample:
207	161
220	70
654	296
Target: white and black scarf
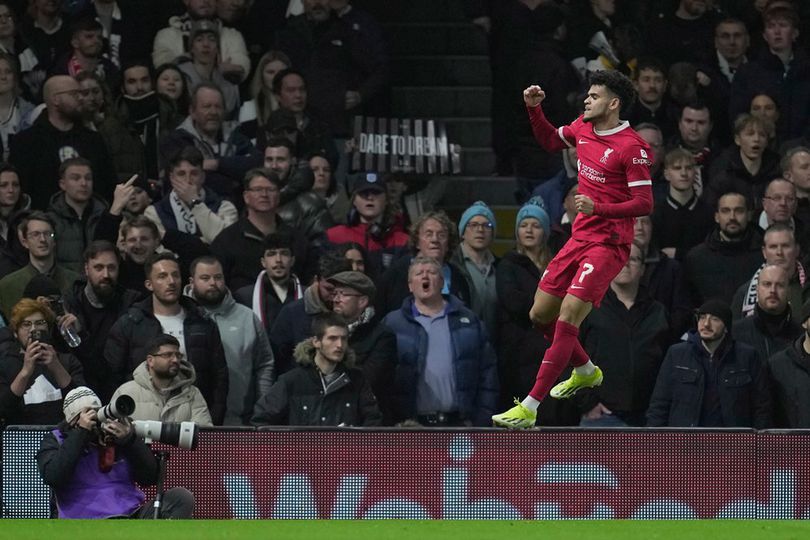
750	298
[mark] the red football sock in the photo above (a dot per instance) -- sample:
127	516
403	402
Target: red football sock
556	359
578	355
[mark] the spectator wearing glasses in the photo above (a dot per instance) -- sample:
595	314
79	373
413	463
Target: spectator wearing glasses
779	204
56	135
240	247
36	234
474	258
34	377
162	386
629	334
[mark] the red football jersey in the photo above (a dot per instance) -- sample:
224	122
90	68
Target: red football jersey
614	172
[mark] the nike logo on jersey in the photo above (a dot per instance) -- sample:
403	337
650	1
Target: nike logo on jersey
577	287
582	141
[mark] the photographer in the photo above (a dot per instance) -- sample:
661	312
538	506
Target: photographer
92	468
34	377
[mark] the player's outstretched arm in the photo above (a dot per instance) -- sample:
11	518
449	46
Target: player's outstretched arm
548	136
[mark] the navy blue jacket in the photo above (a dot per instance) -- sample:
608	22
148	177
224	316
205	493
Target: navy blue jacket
742	384
475	363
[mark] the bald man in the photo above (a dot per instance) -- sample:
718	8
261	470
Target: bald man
57	135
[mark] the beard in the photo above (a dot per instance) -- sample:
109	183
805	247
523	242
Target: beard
210	298
104	291
735	235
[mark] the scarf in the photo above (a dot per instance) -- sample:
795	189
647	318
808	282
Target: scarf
183	215
750	298
259	289
364	317
144	114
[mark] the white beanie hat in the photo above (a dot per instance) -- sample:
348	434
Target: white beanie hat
77	399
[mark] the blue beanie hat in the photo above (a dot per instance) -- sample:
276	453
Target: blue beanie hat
478	208
535	208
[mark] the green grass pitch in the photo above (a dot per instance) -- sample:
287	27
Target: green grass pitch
395	530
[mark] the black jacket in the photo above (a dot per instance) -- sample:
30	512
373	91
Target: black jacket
240	247
38	151
301	397
728	174
13	409
767	334
716	268
629	346
790	385
664	280
128	337
95	325
375	348
766	74
520	346
681	226
741	386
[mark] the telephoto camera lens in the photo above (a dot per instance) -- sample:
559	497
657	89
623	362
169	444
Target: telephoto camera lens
117	410
183	434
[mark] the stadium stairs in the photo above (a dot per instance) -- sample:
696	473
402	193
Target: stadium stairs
440	70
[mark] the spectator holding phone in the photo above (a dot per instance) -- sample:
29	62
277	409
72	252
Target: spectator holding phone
34	377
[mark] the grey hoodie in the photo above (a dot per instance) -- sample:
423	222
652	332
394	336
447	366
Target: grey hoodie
251	368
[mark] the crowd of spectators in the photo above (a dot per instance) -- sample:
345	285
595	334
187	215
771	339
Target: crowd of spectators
177	222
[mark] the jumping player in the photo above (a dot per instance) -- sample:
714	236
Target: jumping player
614	188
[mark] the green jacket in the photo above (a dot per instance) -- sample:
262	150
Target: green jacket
73	233
13	285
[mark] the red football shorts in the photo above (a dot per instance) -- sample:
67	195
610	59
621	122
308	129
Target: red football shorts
584	270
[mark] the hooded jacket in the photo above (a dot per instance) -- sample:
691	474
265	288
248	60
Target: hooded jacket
129	336
248	354
73	232
181	401
13	255
302	397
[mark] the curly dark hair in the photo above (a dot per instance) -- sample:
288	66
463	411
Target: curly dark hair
618	84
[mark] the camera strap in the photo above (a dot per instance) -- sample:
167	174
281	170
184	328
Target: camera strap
106	458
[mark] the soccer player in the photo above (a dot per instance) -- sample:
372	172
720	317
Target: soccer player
614	188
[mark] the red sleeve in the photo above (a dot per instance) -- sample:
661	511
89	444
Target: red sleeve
641	204
637	170
550	138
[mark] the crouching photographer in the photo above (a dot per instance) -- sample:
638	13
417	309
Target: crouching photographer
93	460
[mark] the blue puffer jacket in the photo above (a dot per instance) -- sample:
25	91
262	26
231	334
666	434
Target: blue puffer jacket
475	362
